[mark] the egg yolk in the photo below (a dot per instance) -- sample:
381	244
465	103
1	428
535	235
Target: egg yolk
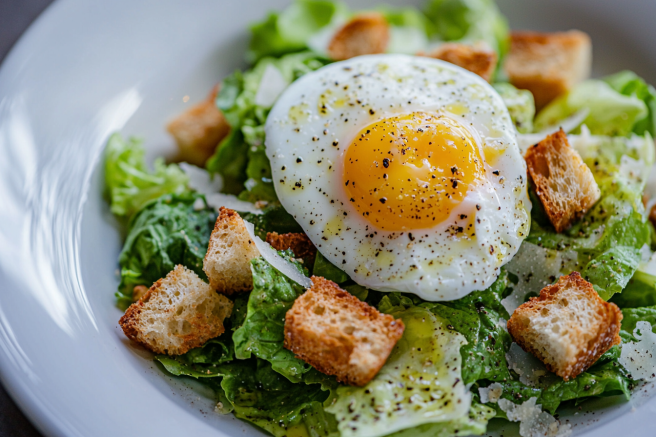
410	171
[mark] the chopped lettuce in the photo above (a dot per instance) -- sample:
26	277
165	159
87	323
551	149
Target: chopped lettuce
289	30
326	269
201	362
245	99
520	104
128	182
629	84
609	111
262	331
609	238
420	382
469	21
174	229
262	396
480	317
475	423
274	218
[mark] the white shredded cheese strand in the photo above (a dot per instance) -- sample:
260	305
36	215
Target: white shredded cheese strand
217	200
533	422
272	84
279	263
639	359
200	180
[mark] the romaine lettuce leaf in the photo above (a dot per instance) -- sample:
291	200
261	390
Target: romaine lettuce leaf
420	382
520	104
326	269
609	111
262	332
288	31
474	424
129	184
263	397
608	239
240	158
630	84
201	362
274	218
174	229
469	21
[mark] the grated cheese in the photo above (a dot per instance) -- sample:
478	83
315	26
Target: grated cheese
281	264
533	422
639	358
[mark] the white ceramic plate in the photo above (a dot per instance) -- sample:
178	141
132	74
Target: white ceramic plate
86	69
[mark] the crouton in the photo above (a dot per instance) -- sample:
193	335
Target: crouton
298	243
138	292
477	59
338	334
548	64
199	130
365	34
568	327
178	313
227	263
563	182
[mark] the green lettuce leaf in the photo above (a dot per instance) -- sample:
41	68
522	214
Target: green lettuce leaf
608	239
474	424
129	184
263	397
174	229
639	292
469	21
520	104
201	362
240	158
629	84
274	218
420	382
631	318
610	112
288	31
480	317
262	332
324	268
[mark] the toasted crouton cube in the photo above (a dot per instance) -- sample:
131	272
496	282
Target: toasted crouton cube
298	243
477	59
227	263
338	334
365	34
548	64
178	313
563	182
199	130
568	327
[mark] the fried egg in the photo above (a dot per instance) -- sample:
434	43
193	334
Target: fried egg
403	171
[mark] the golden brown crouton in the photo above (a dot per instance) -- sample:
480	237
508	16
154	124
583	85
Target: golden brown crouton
227	263
199	130
298	243
568	327
338	334
365	34
563	182
138	292
548	64
478	60
178	313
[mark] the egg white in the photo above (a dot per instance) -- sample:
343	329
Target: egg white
317	118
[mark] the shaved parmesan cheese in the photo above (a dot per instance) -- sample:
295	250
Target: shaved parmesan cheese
218	200
492	393
279	263
533	422
272	84
536	267
531	371
639	359
200	180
